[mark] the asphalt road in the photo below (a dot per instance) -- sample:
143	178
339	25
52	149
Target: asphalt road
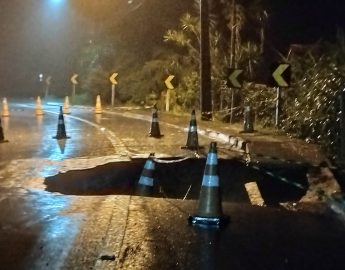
91	134
48	230
36	232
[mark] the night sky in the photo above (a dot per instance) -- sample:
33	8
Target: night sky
36	36
303	21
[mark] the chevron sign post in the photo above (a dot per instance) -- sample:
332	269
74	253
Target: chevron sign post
48	82
113	83
74	83
235	79
169	87
281	75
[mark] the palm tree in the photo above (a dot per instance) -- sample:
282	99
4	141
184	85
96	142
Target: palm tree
250	55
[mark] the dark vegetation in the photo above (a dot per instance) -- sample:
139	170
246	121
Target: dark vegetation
147	40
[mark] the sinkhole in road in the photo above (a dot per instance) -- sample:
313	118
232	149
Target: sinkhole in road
183	180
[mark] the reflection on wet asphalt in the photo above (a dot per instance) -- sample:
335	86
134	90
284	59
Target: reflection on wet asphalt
54	227
152	233
43	230
30	222
31	136
35	231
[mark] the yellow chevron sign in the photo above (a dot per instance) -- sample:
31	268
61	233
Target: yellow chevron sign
235	78
74	79
48	80
281	75
113	77
168	83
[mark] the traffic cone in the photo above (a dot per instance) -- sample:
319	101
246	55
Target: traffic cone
5	110
155	131
61	130
66	109
145	184
39	110
210	206
192	140
2	137
98	108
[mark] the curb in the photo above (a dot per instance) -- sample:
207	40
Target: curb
235	142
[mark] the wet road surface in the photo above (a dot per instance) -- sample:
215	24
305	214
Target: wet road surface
44	230
38	228
256	238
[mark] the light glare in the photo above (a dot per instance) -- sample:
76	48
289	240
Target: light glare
57	1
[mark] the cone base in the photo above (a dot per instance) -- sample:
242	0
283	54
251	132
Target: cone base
61	138
248	131
192	147
144	190
208	222
155	136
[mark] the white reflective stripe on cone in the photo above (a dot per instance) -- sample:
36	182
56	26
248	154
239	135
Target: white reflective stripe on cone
149	165
193	128
212	159
210	181
146	181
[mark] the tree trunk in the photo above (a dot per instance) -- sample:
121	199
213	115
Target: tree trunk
205	64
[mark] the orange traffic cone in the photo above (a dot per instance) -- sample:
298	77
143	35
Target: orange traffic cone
39	110
192	140
98	108
66	109
5	110
145	184
2	137
155	131
210	207
61	130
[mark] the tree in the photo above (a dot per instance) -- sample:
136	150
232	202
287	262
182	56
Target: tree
94	66
243	20
312	106
135	38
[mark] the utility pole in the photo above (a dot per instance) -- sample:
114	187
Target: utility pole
205	64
